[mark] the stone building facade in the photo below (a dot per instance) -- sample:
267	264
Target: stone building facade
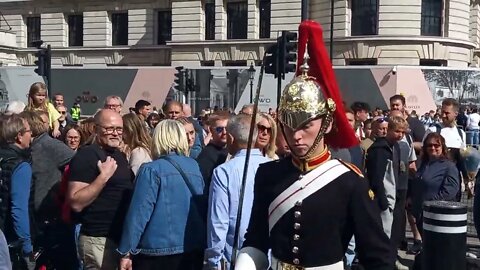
193	33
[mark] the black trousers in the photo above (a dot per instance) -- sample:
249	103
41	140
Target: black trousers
182	261
399	219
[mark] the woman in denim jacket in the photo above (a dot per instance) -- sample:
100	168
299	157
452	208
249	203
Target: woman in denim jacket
165	225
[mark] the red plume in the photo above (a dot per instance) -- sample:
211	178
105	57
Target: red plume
310	33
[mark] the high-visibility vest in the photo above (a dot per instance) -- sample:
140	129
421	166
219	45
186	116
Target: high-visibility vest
75	112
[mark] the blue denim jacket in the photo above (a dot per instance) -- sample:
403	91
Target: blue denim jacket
161	219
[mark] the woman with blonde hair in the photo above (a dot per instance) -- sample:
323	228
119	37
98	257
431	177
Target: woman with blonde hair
137	141
38	101
267	135
168	190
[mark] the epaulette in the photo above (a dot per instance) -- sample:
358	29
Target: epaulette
352	167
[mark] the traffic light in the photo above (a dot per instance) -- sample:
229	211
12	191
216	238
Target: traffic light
270	60
281	56
40	62
190	86
180	79
288	55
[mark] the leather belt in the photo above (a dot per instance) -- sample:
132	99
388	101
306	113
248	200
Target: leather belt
279	265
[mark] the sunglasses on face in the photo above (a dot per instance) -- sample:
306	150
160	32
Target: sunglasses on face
434	145
262	128
63	112
219	129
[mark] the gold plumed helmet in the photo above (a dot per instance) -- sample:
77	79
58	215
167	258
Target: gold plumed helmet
303	101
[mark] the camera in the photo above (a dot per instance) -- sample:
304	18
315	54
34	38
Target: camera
394	70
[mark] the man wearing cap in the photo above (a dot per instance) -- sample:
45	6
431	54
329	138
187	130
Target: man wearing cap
307	207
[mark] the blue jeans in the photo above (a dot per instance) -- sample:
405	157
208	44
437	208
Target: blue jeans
472	137
476	206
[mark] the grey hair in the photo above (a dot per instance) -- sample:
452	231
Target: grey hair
11	126
239	127
15	107
113	97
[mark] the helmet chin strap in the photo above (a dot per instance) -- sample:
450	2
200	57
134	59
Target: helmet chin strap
327	119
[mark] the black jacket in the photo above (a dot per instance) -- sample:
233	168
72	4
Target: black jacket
10	157
210	157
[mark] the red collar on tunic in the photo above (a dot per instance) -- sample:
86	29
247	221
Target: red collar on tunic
306	165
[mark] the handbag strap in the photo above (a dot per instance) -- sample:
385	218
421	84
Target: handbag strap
182	173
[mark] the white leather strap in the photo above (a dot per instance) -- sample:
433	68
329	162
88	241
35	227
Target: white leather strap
277	265
304	187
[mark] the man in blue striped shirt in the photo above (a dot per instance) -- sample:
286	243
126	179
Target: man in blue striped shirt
224	193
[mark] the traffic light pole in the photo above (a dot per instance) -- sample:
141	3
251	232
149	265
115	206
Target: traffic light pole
332	11
304	10
279	75
48	71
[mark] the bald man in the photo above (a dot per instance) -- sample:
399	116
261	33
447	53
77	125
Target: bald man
100	187
174	110
247	109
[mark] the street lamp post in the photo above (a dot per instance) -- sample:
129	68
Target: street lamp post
251	74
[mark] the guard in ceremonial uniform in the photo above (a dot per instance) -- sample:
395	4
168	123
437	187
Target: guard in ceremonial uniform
307	207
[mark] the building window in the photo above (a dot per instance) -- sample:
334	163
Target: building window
361	62
265	18
75	30
33	30
433	63
237	20
207	63
209	21
364	17
432	17
120	28
164	26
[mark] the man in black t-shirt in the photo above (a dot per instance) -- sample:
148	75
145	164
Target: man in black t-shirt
100	189
214	153
416	128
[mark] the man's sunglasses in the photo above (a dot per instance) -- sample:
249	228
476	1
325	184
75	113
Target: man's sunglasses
219	129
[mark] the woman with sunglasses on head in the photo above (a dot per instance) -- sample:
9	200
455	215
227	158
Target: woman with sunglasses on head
437	179
267	135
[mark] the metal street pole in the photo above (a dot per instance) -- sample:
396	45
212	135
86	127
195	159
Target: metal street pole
332	11
304	10
251	91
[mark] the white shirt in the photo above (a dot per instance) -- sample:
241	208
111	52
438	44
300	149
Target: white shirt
138	156
472	121
451	136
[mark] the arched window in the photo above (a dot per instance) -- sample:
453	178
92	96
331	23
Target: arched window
432	17
364	17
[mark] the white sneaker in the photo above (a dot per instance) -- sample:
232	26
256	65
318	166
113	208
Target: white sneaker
400	266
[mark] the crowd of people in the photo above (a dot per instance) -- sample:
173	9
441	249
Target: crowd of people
160	187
